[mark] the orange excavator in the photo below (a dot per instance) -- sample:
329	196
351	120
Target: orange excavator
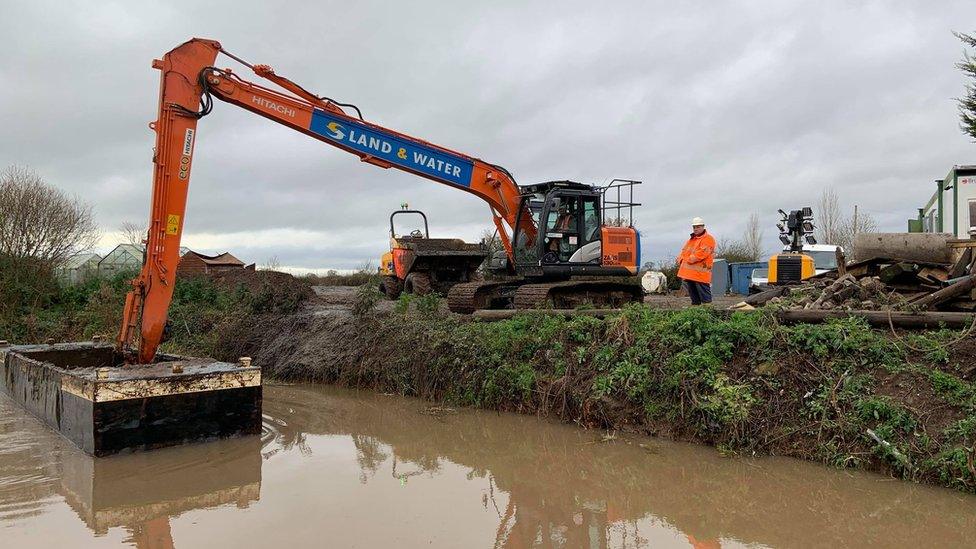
561	247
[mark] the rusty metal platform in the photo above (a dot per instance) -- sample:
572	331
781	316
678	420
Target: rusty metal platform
82	391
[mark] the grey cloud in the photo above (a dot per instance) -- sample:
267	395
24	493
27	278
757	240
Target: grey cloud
722	109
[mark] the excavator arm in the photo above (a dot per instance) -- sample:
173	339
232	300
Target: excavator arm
188	84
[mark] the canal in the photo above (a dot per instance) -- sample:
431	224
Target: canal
337	468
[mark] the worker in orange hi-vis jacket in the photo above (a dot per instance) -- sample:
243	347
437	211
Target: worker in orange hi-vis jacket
695	263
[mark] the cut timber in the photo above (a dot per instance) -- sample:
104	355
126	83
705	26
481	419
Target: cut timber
945	294
962	264
762	298
841	262
897	271
881	318
918	247
934	275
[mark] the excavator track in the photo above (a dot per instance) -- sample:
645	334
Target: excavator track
468	297
575	293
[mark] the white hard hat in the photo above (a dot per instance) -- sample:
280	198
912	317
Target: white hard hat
697	221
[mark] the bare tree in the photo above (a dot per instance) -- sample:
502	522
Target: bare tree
967	104
492	243
753	237
41	222
734	250
132	233
829	218
746	249
859	222
368	267
273	264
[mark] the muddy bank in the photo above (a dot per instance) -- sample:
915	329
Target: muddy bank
839	393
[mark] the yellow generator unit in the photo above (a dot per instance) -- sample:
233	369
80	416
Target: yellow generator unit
790	267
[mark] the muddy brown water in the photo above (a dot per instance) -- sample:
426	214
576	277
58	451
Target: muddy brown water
337	468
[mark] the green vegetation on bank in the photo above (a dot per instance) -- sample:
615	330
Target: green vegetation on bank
36	308
840	393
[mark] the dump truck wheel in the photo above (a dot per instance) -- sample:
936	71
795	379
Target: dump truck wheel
418	284
391	286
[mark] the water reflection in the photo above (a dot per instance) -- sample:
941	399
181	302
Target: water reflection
139	493
344	468
555	485
142	492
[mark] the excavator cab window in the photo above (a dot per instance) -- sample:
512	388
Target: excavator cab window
526	250
569	231
562	231
591	219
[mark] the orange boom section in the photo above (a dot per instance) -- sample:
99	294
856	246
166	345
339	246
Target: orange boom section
175	126
188	84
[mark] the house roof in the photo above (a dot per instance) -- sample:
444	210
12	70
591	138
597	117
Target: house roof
221	259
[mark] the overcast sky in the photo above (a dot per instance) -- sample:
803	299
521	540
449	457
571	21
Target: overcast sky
721	109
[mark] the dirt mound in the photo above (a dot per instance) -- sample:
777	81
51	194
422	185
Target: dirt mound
267	291
303	347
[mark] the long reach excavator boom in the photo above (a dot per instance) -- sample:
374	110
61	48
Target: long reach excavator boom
188	84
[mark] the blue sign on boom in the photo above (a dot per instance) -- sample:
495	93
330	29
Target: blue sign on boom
443	166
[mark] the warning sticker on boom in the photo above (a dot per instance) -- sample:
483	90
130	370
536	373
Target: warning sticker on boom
172	224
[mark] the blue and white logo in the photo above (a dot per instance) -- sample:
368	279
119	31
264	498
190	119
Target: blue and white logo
443	166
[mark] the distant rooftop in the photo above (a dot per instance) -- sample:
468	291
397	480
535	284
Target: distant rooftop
220	259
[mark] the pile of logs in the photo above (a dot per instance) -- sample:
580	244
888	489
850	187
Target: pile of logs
845	293
883	287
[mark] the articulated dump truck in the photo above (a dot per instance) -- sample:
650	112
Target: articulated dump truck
418	264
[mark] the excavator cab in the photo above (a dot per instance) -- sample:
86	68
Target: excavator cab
569	234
